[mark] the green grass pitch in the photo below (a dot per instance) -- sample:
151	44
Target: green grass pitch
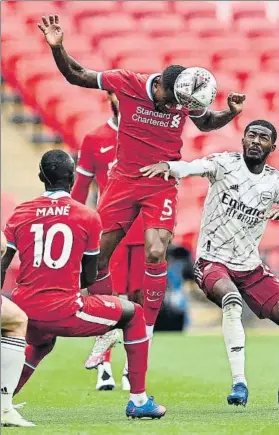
188	374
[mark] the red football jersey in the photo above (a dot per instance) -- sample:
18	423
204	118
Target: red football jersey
97	153
145	135
51	234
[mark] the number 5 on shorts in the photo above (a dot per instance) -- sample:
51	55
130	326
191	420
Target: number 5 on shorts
167	210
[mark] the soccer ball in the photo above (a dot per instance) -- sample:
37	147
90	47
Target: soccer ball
195	88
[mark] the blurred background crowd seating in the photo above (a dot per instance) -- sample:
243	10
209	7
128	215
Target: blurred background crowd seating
238	41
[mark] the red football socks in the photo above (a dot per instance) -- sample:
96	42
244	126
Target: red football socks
103	283
33	356
154	287
136	345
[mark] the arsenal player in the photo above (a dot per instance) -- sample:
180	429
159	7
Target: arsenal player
58	240
96	157
149	131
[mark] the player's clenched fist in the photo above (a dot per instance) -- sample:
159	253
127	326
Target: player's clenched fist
273	214
51	28
157	169
235	102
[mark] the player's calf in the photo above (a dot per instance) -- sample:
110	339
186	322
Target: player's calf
136	345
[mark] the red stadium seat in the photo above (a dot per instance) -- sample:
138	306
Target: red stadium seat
8	26
142	64
227	46
225	84
257	27
241	68
192	9
97	28
248	9
208	27
83	9
188	219
266	86
31	12
162	25
178	46
140	9
12	51
189	60
271	63
118	47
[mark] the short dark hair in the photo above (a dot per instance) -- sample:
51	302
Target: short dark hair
170	74
266	124
56	166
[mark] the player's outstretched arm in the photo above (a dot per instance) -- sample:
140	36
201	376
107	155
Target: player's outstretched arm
180	169
75	73
5	262
213	120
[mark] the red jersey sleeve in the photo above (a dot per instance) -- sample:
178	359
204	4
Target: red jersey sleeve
114	80
94	233
86	164
9	232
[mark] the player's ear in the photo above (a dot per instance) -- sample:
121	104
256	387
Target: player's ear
41	177
273	147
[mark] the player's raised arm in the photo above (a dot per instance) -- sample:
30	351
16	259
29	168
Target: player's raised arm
213	120
75	73
180	169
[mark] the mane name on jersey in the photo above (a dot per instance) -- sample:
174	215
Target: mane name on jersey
241	211
54	211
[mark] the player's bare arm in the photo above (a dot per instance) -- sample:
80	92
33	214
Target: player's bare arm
213	120
75	73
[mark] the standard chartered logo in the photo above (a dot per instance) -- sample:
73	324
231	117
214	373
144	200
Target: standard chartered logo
175	121
156	118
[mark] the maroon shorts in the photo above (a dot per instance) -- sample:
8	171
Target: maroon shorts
121	202
127	267
98	316
259	287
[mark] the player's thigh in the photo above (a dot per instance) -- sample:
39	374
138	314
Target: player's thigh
40	334
214	280
158	207
99	315
12	317
261	292
117	206
109	242
119	264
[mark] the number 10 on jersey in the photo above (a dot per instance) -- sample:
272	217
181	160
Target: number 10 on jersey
42	249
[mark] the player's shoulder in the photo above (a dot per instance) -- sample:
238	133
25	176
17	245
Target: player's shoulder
271	171
226	157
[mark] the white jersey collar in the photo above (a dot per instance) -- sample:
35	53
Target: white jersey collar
56	194
112	124
149	85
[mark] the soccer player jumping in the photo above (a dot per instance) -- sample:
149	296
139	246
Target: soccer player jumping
58	243
242	191
150	130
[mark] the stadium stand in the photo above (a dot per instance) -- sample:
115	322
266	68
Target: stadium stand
238	41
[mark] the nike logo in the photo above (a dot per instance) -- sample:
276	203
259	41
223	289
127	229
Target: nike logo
106	149
164	218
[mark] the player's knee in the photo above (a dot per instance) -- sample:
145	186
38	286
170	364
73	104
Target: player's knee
156	252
